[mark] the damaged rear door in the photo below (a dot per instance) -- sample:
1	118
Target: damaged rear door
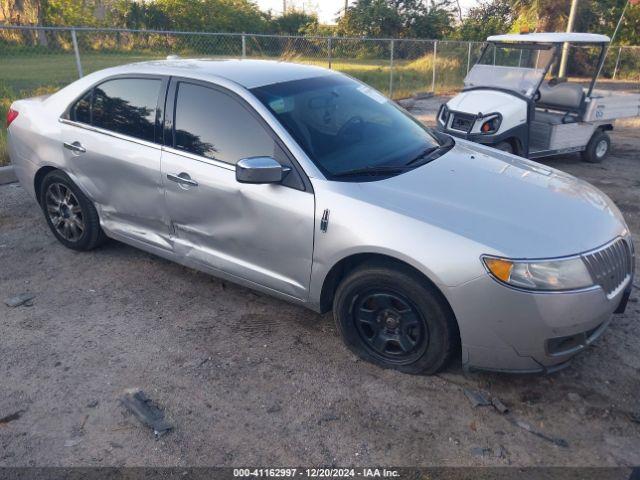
262	233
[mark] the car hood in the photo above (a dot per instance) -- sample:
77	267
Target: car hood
516	207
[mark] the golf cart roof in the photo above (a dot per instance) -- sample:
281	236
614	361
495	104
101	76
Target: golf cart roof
551	37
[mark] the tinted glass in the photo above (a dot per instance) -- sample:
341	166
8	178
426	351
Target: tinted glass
343	125
127	106
81	111
215	125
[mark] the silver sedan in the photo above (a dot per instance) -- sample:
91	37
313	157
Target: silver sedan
311	186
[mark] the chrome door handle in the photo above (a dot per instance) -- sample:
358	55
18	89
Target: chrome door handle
182	179
75	147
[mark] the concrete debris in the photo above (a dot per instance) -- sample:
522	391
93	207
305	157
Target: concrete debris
498	405
137	402
477	398
560	442
72	442
499	452
20	299
480	451
11	417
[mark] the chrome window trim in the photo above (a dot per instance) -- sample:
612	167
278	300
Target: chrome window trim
110	133
192	156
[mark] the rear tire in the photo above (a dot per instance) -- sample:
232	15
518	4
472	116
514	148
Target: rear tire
71	216
598	148
393	318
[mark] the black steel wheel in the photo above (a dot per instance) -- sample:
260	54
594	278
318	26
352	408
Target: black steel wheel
390	315
71	216
390	326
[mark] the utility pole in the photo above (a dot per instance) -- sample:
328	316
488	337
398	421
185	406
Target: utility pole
565	48
284	7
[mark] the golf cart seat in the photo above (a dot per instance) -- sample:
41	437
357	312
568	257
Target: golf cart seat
564	96
553	118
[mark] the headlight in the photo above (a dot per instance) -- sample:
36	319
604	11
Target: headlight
568	274
490	124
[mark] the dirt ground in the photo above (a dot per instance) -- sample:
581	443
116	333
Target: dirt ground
249	380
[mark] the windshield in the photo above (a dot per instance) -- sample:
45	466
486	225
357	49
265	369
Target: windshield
516	67
345	126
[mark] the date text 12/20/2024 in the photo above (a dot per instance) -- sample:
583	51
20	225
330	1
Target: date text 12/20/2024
316	472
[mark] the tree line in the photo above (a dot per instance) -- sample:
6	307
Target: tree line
432	19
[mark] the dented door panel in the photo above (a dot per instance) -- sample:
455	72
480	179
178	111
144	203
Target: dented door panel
261	233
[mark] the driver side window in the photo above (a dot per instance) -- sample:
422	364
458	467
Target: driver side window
213	124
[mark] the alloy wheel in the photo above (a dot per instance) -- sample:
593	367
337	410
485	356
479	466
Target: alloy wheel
64	212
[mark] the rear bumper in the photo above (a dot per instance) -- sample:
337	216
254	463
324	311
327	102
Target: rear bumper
509	330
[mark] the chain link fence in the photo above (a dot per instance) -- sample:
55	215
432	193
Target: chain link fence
39	60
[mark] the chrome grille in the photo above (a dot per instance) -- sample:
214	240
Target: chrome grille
611	266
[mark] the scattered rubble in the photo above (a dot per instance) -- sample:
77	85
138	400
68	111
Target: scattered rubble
560	442
498	405
477	398
20	299
137	402
11	417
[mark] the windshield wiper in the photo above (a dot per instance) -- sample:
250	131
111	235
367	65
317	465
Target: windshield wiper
432	153
381	170
424	155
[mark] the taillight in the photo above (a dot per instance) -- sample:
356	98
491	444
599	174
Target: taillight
11	116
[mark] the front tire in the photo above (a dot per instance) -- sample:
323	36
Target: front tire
71	216
393	318
598	148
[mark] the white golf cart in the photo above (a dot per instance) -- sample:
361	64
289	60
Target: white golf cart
526	97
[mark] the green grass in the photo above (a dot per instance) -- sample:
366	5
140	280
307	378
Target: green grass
26	73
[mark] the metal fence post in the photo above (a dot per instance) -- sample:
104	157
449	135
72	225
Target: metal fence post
244	46
76	51
391	48
469	57
615	69
329	51
435	56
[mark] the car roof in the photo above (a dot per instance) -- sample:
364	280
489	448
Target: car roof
247	73
550	37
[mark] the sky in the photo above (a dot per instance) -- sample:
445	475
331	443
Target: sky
326	9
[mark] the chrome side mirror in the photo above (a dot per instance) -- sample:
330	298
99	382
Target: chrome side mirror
260	170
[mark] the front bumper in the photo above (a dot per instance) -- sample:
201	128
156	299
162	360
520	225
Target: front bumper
510	330
482	138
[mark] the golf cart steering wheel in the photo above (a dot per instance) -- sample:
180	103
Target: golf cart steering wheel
537	96
349	124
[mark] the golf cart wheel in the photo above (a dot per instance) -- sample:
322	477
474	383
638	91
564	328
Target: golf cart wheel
391	317
505	147
597	148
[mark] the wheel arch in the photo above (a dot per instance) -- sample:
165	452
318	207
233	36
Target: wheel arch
39	177
346	265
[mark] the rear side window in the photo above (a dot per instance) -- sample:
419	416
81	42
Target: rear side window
81	111
127	106
213	124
